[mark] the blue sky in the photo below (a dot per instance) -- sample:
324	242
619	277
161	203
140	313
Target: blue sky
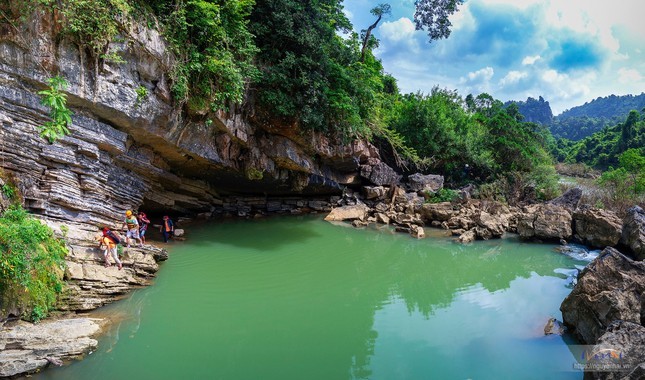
568	51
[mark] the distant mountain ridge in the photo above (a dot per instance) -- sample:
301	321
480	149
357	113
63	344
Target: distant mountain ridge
607	107
534	110
582	121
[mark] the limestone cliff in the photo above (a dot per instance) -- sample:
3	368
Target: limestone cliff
126	151
133	147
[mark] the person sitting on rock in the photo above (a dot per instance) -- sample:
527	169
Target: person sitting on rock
107	245
167	229
143	225
132	228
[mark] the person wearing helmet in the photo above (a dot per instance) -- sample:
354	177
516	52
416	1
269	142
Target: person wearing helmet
132	228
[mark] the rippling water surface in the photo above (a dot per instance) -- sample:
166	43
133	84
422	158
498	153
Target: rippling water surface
299	298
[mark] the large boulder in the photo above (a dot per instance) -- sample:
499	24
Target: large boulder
545	221
421	182
27	347
374	192
380	174
622	344
633	235
491	223
468	236
437	211
348	213
569	200
608	289
597	228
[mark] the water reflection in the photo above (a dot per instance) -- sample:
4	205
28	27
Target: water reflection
252	301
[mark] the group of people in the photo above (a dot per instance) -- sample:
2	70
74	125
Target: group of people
136	226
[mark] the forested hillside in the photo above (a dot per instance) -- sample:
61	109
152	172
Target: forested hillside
603	149
534	110
607	107
582	121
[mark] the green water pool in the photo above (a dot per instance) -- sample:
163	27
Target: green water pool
300	298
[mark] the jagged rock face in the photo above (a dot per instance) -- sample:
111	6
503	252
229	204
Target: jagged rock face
597	228
633	235
380	174
125	152
420	182
493	224
88	283
545	221
26	348
437	211
608	289
569	200
626	340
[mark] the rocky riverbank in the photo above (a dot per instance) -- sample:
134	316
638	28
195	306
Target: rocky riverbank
606	308
27	348
126	152
130	153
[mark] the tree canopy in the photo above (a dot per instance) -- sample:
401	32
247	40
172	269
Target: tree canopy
433	17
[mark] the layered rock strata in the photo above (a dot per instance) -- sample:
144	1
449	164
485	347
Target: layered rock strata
27	348
126	152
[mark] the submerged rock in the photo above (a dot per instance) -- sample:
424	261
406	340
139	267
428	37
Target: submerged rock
608	289
554	327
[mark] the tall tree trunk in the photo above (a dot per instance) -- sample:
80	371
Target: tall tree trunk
368	33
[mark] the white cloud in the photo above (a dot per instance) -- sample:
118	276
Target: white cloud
553	77
513	77
531	59
531	45
629	75
479	76
395	31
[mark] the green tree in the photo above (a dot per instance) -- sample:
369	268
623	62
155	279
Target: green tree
378	11
214	47
433	17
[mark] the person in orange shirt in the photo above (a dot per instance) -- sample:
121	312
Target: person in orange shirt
107	245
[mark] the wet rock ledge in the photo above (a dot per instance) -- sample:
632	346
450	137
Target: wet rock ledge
27	348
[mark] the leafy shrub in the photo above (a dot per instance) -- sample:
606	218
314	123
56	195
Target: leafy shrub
56	100
8	191
142	94
443	195
31	264
93	23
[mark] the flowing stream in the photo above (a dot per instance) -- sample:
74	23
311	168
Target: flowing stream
300	298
